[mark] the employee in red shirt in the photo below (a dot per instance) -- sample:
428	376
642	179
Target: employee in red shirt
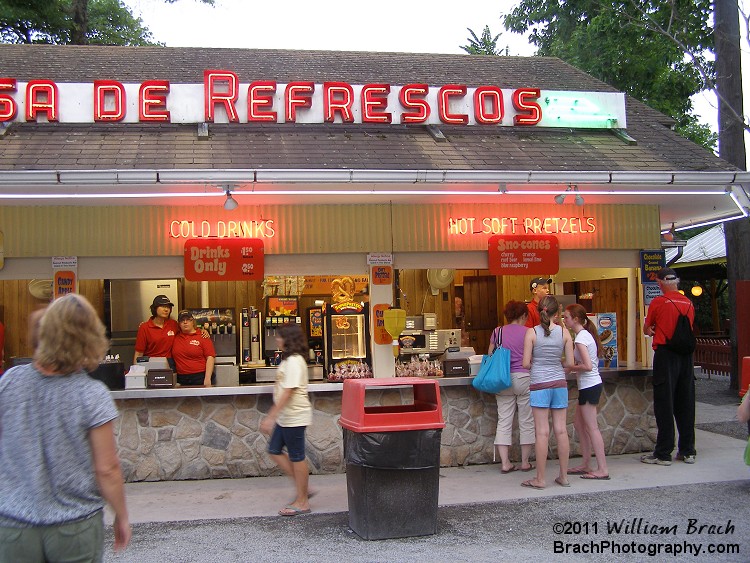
194	356
156	335
539	288
673	377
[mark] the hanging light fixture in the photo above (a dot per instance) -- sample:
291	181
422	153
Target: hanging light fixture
230	202
560	199
579	197
696	290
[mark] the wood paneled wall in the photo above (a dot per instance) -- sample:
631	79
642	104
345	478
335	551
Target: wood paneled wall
17	303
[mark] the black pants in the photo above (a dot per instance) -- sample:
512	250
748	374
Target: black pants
674	398
194	378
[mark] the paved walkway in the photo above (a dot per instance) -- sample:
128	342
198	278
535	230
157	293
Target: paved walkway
719	460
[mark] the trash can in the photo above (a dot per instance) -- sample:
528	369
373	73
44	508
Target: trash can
392	458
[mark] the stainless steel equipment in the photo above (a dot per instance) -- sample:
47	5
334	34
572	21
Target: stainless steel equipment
127	304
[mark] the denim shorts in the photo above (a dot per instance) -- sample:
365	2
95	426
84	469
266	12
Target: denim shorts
555	398
82	540
293	437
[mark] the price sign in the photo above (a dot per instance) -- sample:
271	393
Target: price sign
225	259
520	255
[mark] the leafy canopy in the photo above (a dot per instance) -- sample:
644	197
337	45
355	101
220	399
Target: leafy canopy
653	50
65	22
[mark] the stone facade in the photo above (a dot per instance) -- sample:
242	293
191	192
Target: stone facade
213	437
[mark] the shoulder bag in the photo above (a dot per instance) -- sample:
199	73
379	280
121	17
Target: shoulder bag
494	373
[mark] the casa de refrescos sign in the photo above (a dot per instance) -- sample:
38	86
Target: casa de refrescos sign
224	98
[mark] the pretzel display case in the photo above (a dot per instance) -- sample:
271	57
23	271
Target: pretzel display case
347	341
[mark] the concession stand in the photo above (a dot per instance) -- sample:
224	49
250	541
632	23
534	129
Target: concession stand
325	188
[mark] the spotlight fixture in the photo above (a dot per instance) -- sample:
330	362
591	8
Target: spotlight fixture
560	199
579	197
230	203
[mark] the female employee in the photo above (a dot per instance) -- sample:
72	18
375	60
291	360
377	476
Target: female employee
156	335
193	355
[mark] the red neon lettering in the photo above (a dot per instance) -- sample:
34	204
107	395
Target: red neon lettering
152	101
104	89
297	95
260	101
338	97
227	97
8	106
412	96
444	95
529	112
35	91
374	103
492	96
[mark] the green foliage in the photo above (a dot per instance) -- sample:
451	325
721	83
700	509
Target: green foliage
484	45
109	22
653	50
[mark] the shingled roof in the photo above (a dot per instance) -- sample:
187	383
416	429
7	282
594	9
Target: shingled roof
30	146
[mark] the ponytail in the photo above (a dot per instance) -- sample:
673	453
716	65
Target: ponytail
548	308
591	327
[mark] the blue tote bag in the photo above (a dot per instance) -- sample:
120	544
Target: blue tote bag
494	373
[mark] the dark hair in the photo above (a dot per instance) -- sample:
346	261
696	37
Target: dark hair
577	312
294	339
515	310
155	307
548	308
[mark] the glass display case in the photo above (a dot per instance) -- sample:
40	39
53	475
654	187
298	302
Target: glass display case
347	341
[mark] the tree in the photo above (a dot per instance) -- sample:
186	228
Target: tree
630	45
73	22
485	45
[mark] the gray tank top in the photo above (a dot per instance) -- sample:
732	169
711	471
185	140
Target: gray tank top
546	356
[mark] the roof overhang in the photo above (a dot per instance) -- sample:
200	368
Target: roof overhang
685	198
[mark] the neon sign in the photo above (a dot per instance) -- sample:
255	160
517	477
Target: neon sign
223	98
222	229
521	225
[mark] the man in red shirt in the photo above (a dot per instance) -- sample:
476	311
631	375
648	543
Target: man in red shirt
539	288
673	377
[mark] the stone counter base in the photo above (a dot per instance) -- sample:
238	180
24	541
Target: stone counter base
167	439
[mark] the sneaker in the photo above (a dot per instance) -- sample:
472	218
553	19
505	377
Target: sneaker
689	458
651	459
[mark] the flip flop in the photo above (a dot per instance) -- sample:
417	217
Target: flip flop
561	482
531	485
511	470
577	472
529	468
595	477
292	511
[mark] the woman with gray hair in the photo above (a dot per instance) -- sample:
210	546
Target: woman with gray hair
58	459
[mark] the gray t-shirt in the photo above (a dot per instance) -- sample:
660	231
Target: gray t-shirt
46	469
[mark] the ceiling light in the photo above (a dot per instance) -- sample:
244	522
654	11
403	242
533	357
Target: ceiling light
696	290
230	203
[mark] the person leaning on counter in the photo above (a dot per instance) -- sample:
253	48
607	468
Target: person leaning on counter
156	335
193	355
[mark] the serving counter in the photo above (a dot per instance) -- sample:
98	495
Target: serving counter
213	432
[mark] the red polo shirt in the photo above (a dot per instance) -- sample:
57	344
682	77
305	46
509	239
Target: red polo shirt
533	319
190	352
663	315
156	341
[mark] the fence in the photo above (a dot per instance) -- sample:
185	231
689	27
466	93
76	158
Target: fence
713	355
